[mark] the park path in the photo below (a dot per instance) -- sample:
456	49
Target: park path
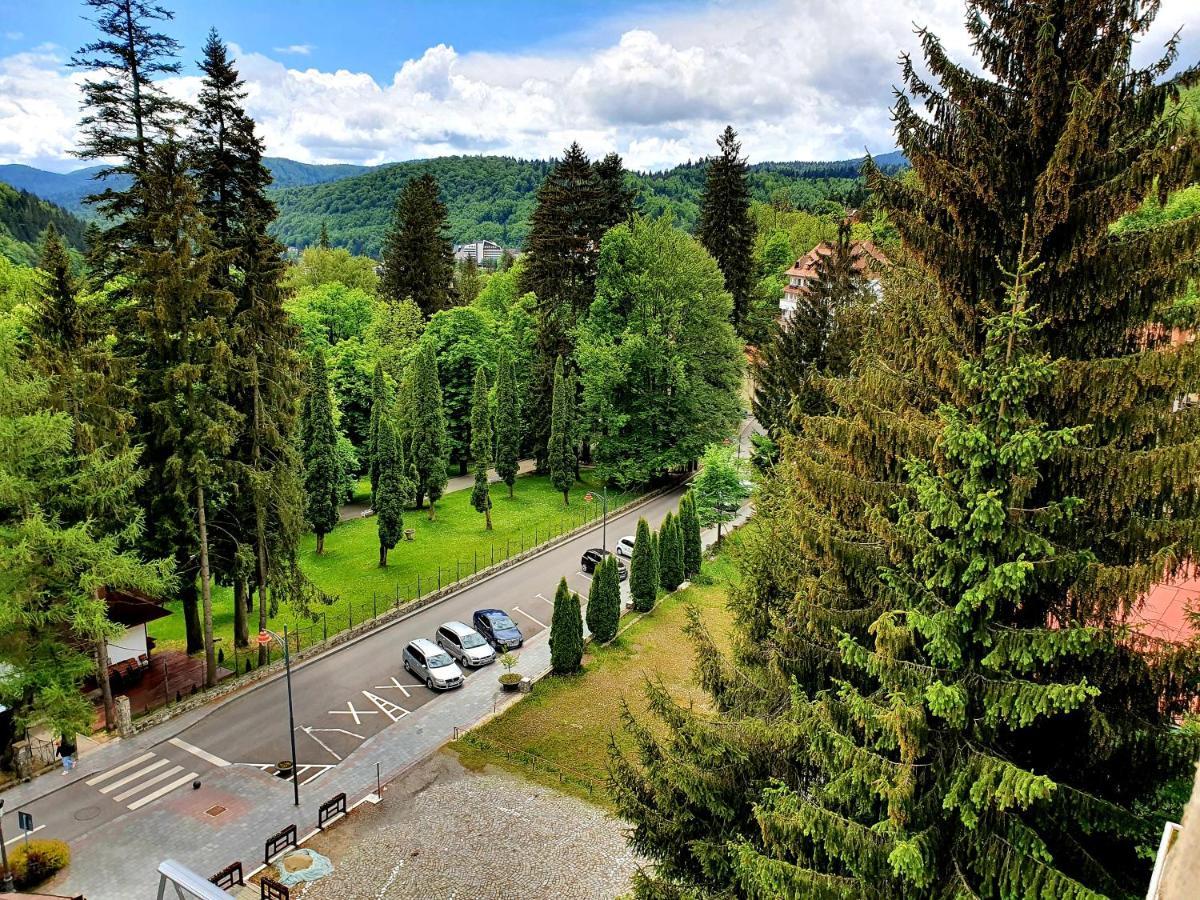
457	483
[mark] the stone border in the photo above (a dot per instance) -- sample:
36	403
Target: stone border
233	685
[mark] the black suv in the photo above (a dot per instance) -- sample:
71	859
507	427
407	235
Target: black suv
591	559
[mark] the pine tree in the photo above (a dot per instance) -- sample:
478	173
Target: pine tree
323	238
389	499
617	204
604	601
379	412
670	550
467	281
561	450
560	267
427	448
418	260
126	113
481	446
689	526
566	632
318	441
643	569
508	420
185	376
725	227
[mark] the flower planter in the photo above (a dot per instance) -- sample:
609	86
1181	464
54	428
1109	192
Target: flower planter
509	681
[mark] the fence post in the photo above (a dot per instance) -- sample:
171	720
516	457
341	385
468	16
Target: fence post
297	640
418	585
535	536
374	607
324	627
507	547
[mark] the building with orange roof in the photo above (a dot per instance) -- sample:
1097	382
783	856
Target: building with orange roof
866	259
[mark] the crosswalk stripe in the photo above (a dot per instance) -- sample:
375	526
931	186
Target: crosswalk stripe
196	751
96	779
157	764
165	789
142	785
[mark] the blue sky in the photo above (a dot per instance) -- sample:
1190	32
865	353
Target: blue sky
654	80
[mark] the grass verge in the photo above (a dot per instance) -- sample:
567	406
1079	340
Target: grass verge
559	735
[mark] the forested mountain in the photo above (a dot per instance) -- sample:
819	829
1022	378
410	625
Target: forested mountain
289	173
23	219
492	196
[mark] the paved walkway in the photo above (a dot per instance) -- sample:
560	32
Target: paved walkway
457	483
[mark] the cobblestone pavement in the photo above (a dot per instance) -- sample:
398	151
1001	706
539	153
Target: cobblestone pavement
446	832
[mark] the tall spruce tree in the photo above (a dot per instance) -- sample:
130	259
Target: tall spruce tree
566	632
560	268
689	526
604	601
670	552
561	448
725	227
643	569
1053	746
323	238
481	446
617	203
379	413
508	420
318	442
427	448
389	497
418	260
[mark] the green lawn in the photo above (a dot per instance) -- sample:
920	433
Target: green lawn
568	719
456	541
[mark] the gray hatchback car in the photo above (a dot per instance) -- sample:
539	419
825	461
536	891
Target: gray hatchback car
431	664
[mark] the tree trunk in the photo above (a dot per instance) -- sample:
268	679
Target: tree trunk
241	635
510	491
382	556
320	543
110	712
260	531
191	610
210	650
420	498
487	517
462	465
567	497
432	512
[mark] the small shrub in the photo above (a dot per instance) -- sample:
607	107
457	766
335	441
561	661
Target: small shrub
33	864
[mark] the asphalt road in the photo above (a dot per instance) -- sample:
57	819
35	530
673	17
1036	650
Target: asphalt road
341	698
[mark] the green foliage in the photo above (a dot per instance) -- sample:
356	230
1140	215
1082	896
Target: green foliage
318	443
659	362
34	862
643	569
380	412
604	601
508	420
427	439
319	265
418	261
481	446
392	493
24	220
670	553
689	529
566	632
725	228
560	451
718	489
464	340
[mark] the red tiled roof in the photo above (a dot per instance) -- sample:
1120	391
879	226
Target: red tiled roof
865	254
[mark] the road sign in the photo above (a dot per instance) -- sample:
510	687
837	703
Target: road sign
25	821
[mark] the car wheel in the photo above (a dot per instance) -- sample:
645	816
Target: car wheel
406	668
429	683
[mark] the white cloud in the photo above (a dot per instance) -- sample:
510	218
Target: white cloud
13	35
295	49
799	79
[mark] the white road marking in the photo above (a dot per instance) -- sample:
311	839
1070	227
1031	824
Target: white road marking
528	616
196	751
308	729
393	711
138	788
21	836
327	748
121	768
584	574
395	684
108	788
543	599
162	791
354	712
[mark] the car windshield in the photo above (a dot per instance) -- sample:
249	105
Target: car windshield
502	623
472	640
438	660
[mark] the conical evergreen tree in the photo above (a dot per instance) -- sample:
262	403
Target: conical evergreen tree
643	569
323	238
318	442
389	498
418	260
566	632
481	446
379	413
604	601
427	443
560	267
508	420
689	526
618	198
561	449
725	227
670	549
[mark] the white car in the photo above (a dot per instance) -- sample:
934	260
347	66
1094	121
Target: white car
625	547
465	644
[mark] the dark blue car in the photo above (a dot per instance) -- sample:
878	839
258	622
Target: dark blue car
498	629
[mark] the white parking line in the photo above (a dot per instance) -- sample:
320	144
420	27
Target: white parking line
543	599
528	616
324	745
396	684
196	751
584	574
354	712
393	711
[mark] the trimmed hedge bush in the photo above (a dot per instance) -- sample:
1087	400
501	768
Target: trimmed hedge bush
33	864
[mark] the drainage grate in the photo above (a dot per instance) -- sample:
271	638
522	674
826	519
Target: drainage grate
214	811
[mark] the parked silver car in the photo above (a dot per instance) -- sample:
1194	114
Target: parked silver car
430	663
465	644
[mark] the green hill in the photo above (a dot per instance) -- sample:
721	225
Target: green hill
23	220
493	196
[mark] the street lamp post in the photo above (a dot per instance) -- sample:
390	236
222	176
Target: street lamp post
265	637
7	884
604	515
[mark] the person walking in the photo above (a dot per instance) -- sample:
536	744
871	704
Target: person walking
66	749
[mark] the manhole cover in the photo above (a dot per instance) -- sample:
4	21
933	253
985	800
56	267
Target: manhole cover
214	810
87	813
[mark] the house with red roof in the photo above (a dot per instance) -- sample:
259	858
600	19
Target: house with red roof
866	259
